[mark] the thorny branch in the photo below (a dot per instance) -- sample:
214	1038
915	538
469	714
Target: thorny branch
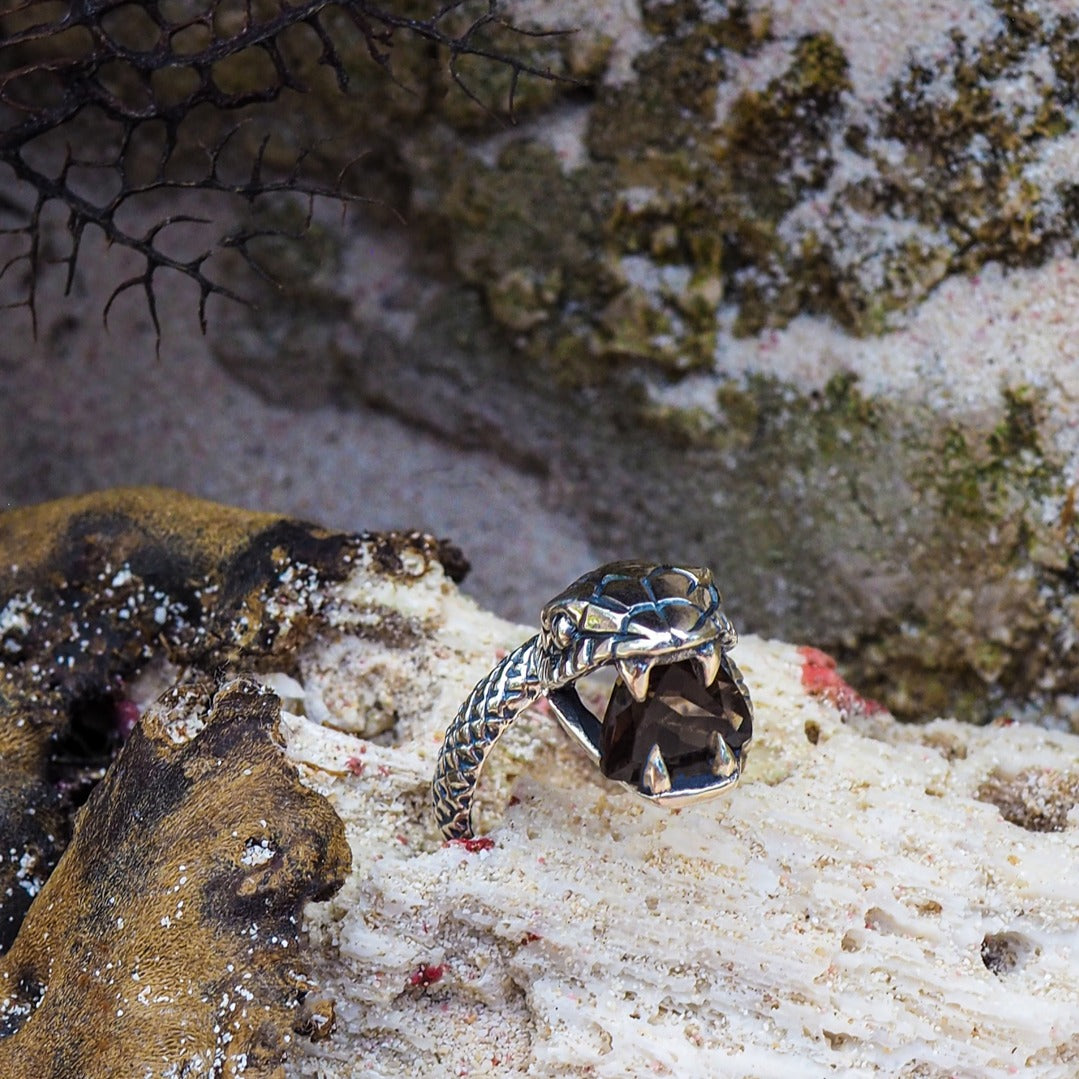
143	73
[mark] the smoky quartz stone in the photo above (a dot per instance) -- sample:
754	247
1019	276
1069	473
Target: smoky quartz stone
681	716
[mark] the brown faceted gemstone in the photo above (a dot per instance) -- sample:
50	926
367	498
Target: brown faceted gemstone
680	715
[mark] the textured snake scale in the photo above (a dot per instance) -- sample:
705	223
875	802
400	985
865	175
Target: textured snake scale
491	707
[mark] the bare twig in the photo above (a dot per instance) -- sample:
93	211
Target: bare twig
137	68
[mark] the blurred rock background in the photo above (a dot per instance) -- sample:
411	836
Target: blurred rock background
785	288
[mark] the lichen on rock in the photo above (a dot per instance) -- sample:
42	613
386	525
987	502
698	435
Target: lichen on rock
800	197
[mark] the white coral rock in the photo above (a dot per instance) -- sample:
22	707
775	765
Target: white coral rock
858	906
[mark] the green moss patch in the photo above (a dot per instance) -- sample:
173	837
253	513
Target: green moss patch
749	206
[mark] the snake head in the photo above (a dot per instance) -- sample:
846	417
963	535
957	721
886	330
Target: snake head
675	737
633	613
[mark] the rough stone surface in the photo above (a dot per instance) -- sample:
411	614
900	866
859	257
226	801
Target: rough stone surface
773	296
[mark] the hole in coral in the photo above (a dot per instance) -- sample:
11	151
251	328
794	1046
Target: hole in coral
881	922
812	731
1003	953
852	941
24	994
1038	799
946	743
837	1040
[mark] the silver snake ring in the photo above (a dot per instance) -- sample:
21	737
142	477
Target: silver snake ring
679	720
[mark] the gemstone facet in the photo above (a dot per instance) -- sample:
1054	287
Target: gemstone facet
683	718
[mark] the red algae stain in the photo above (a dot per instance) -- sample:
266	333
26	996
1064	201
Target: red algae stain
821	679
473	846
424	976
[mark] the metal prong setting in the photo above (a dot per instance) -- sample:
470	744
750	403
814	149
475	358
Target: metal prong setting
655	779
633	616
707	660
635	672
723	762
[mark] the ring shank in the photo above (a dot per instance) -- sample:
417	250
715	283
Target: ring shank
494	703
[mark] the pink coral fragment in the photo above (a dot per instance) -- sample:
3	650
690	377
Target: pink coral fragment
821	679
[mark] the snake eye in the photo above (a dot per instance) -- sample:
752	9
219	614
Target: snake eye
562	629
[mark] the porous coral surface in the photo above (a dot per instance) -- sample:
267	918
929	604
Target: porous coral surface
874	898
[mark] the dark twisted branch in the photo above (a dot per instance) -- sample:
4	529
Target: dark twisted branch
58	62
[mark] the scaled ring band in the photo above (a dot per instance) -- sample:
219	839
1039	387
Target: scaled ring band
679	721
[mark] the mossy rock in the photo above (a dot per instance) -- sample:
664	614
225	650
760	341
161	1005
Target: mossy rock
922	549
